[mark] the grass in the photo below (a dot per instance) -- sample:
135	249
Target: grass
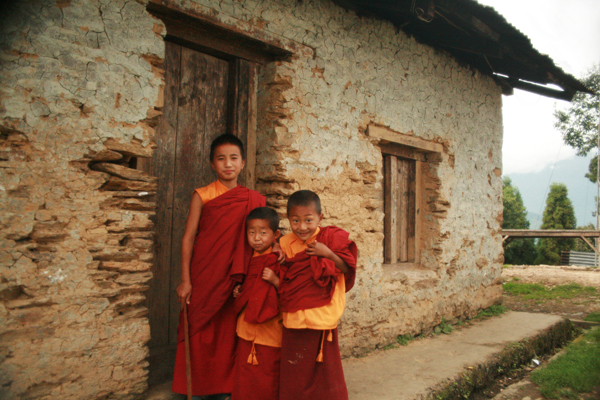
593	317
446	327
577	370
535	291
404	340
491	311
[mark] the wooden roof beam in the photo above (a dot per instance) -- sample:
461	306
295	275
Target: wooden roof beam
542	90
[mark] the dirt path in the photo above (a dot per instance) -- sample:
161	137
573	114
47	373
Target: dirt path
553	275
575	308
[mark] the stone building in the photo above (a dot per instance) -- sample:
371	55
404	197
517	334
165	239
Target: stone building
390	111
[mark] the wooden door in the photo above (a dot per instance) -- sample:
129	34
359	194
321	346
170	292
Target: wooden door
205	96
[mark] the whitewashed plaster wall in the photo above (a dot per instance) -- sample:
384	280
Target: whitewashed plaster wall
75	259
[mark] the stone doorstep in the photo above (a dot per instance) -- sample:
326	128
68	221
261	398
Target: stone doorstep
413	372
163	392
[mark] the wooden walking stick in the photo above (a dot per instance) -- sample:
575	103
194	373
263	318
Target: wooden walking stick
188	366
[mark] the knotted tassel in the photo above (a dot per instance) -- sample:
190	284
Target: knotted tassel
330	336
320	356
252	357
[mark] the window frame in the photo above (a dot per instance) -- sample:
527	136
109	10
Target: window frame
402	207
408	150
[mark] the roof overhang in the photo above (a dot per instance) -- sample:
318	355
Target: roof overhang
479	36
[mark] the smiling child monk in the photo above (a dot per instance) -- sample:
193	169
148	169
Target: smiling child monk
214	256
320	268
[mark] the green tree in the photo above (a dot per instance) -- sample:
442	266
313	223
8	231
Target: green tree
579	122
593	169
581	245
518	251
558	214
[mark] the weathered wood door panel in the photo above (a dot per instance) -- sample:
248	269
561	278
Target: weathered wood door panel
202	116
205	96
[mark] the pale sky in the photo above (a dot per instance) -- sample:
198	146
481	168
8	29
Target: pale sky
569	32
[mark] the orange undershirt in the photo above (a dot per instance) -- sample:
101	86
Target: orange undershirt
212	191
268	333
318	318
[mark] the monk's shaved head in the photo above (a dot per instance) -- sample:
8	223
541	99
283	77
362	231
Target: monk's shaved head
226	138
304	198
266	213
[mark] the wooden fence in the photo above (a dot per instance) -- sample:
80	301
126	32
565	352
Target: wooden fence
510	234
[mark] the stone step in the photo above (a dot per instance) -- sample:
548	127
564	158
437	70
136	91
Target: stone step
163	392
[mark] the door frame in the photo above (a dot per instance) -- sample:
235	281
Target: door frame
246	55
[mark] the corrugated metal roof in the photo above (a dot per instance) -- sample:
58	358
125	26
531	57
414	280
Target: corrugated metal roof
479	36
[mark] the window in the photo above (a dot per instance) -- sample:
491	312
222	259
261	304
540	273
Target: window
400	207
405	160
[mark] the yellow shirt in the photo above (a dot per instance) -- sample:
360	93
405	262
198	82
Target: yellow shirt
268	333
318	318
214	190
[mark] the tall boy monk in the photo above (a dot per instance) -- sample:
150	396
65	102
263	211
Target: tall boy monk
214	255
259	323
314	280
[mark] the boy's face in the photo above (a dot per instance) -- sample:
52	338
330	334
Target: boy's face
227	162
304	220
260	235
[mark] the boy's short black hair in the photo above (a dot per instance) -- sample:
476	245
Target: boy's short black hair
304	198
226	138
267	214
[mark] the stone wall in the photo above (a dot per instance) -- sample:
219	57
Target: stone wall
80	95
312	135
79	88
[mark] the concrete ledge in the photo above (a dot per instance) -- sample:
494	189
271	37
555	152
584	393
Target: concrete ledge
584	324
447	365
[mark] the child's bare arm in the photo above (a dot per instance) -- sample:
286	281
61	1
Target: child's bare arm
271	277
277	249
184	290
320	250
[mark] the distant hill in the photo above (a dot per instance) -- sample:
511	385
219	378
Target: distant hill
534	188
535	220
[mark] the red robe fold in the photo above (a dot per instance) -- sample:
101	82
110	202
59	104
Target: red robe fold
301	376
257	295
219	260
256	382
309	282
221	254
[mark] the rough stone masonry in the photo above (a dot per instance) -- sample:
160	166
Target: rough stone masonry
81	84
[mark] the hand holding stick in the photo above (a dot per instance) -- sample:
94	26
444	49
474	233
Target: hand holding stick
188	366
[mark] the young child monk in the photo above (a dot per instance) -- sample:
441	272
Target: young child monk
214	256
259	322
320	268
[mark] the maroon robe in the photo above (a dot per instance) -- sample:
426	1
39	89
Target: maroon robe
220	256
257	295
309	282
257	381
